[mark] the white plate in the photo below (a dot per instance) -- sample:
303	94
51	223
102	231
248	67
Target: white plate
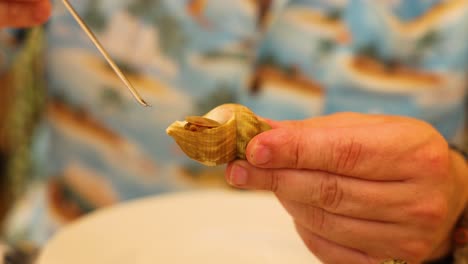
194	227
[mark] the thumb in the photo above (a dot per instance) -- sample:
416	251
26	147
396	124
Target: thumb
387	150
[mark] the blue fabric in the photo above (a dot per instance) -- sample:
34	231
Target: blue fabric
302	59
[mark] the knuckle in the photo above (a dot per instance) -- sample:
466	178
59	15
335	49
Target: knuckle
295	148
434	155
310	244
272	182
316	218
345	154
308	241
416	250
433	212
330	192
298	153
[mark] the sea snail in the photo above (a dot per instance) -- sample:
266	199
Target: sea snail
219	136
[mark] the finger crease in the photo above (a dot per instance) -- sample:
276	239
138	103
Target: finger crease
274	181
330	192
317	218
297	154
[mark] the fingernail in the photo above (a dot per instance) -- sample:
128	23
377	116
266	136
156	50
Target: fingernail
261	155
238	176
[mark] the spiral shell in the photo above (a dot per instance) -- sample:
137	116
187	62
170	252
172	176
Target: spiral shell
218	137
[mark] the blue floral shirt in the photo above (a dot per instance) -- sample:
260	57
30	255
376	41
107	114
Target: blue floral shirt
283	59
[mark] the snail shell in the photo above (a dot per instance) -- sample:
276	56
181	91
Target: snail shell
218	137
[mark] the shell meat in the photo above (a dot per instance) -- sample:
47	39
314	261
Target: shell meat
218	137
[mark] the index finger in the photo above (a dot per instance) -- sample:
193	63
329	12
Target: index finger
336	194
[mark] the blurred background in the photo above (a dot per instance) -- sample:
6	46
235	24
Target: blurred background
73	140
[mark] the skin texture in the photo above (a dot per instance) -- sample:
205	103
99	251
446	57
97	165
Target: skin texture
360	188
24	13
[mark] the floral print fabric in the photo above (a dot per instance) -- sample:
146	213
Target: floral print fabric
283	59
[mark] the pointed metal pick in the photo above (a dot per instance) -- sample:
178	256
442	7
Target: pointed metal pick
104	53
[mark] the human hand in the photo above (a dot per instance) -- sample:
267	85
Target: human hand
360	188
23	13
